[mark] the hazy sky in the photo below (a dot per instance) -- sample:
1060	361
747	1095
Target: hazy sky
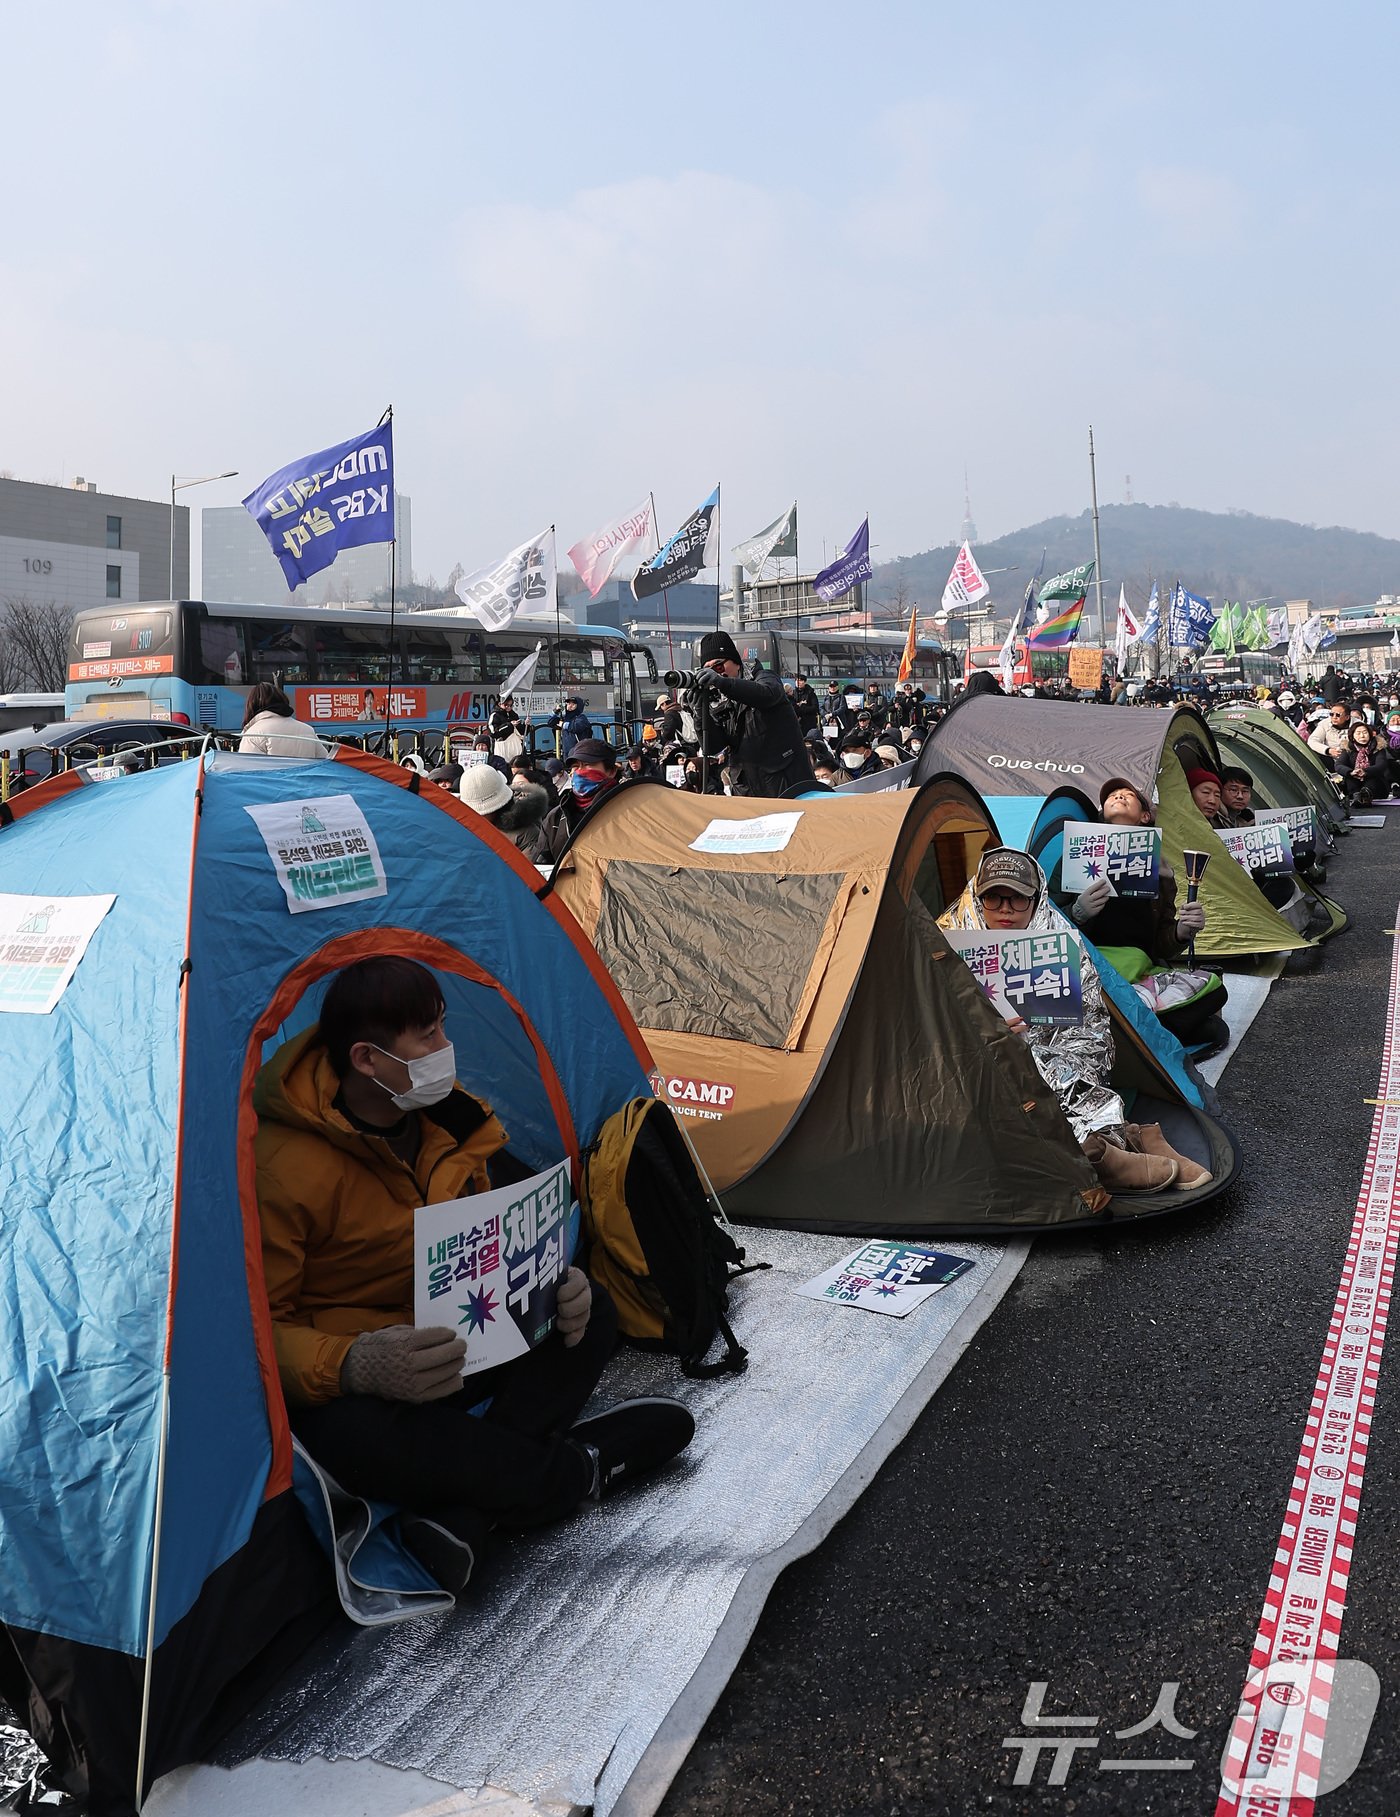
590	249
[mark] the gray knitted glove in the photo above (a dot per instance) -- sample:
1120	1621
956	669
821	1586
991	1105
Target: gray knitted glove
404	1363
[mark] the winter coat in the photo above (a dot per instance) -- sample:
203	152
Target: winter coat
754	720
1146	922
1074	1062
807	707
520	819
336	1207
276	735
558	825
571	731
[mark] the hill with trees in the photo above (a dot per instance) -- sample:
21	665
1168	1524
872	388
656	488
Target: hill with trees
1224	555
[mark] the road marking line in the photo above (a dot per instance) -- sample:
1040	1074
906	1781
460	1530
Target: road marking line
1280	1742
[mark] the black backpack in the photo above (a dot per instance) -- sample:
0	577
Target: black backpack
656	1240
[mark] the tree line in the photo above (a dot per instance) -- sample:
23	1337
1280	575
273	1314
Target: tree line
34	645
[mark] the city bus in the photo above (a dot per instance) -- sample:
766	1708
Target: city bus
850	657
1255	668
1042	665
193	663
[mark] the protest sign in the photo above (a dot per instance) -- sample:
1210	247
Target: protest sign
1085	666
1265	851
1129	856
887	1277
1301	824
489	1266
1034	976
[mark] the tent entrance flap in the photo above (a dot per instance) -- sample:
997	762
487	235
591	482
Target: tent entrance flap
726	954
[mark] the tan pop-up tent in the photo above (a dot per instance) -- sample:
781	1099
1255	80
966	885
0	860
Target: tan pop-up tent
837	1066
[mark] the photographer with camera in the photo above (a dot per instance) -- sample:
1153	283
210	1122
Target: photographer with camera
754	720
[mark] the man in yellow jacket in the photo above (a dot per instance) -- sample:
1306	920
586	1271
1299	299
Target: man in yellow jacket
360	1120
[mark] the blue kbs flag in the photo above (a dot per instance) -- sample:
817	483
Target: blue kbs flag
326	502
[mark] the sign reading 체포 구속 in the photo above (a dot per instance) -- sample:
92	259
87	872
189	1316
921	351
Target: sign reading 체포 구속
1129	856
489	1266
1301	824
323	851
1035	976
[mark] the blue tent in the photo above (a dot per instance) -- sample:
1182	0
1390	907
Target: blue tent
153	1548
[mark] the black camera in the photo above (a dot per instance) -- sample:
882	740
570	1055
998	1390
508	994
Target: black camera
684	679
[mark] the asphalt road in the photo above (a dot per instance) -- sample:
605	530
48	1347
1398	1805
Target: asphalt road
1095	1496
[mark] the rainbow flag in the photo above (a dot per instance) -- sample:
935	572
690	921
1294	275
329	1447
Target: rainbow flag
1059	632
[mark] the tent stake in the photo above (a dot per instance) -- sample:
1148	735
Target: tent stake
155	1583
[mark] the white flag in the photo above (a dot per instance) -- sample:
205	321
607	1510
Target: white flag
525	577
965	583
1278	627
596	557
757	550
523	674
1124	637
1313	629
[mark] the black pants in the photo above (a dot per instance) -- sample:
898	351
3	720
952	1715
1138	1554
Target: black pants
511	1466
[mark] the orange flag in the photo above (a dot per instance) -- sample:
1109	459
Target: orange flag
906	662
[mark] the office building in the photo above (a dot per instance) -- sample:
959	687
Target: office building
77	546
237	566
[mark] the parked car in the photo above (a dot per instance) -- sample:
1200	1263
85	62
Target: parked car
35	755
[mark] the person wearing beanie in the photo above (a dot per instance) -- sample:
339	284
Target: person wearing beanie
857	755
592	774
570	724
1205	792
751	718
484	790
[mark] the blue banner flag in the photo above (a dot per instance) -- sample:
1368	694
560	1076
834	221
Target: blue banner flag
326	502
848	569
1189	623
689	551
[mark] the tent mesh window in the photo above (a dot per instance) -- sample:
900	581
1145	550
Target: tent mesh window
719	953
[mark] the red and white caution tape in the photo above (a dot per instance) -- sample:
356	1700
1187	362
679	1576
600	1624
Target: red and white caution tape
1275	1749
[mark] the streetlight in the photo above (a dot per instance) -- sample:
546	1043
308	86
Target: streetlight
180	485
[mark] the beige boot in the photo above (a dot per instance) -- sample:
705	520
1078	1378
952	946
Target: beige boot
1122	1171
1149	1139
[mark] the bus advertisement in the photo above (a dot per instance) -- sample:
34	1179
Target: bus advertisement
344	671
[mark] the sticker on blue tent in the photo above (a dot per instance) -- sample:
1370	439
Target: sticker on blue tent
42	940
323	851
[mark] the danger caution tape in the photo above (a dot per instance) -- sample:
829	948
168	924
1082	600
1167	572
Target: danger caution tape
1275	1749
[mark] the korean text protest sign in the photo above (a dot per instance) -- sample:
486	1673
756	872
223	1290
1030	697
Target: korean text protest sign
1034	976
887	1277
1301	824
489	1266
1129	856
1265	850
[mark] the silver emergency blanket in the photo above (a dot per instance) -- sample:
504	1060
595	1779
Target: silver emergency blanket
552	1680
1074	1062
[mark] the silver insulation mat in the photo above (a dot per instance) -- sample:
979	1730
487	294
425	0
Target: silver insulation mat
553	1681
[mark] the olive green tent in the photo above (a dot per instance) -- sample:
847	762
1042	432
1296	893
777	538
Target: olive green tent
1288	772
1009	745
837	1067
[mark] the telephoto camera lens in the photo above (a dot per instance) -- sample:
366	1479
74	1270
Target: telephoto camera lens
681	678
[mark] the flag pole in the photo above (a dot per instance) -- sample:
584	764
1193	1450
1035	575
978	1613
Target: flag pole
796	575
388	417
719	565
1098	560
665	591
558	656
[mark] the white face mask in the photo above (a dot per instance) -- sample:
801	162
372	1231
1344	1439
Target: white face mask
852	759
430	1077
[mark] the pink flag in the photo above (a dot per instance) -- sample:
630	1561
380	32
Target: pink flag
596	556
